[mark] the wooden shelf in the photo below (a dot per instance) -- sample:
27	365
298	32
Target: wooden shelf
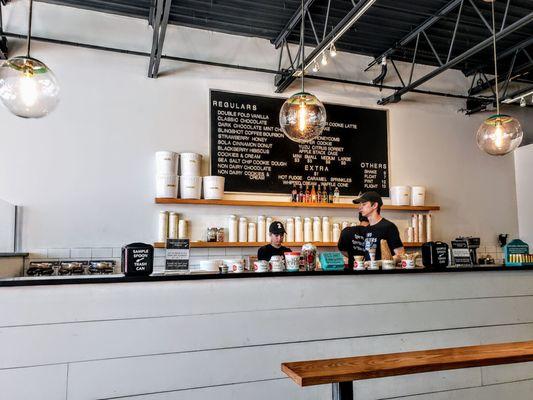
198	245
249	203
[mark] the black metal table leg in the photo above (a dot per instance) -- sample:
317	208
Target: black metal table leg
342	390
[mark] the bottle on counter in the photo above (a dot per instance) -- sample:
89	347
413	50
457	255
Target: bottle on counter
319	194
268	221
290	230
162	231
326	231
429	235
183	229
326	196
243	229
301	194
313	193
298	229
173	225
232	228
336	195
414	224
307	194
261	230
221	236
252	232
336	232
317	229
421	228
308	230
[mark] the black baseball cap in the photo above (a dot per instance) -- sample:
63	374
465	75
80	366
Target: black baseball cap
276	228
372	197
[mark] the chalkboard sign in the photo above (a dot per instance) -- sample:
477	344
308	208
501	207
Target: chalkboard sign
250	150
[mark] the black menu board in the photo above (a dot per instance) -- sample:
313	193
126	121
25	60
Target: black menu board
250	150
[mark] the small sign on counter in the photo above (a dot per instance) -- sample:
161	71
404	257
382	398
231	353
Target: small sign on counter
177	255
461	253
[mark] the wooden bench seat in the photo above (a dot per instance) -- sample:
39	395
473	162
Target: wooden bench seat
342	371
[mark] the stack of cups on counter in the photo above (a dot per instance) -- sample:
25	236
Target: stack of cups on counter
420	228
167	174
190	179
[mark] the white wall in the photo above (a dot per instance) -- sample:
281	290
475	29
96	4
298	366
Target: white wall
524	192
85	174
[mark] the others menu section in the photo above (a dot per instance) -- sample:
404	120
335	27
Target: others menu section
250	150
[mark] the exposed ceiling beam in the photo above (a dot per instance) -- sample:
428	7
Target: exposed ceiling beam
293	21
284	81
517	72
504	54
159	20
460	58
414	33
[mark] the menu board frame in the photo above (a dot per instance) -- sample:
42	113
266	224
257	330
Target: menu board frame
210	111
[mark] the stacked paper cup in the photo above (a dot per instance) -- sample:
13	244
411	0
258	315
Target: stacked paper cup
166	174
190	179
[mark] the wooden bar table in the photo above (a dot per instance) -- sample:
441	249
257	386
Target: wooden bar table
341	372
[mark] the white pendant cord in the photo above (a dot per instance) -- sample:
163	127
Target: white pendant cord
302	44
495	61
28	39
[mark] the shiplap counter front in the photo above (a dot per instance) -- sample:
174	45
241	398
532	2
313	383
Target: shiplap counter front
226	338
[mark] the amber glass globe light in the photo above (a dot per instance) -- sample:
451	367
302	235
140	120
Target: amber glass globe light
499	135
302	117
28	88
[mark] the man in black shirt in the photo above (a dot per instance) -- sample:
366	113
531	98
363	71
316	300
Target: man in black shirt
276	232
352	240
366	239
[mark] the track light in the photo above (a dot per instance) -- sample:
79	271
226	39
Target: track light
324	60
333	51
523	102
316	67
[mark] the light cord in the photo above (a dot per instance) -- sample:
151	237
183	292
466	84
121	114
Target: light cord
303	44
28	39
495	62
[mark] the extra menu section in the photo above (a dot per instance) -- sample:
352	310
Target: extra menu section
250	150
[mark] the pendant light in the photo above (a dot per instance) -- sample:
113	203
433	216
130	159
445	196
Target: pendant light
499	134
28	88
302	117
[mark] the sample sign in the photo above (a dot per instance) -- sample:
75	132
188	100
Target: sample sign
138	259
177	255
249	149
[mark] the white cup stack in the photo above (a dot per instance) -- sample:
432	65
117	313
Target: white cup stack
190	180
166	174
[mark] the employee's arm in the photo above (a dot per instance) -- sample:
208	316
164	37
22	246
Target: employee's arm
343	243
396	244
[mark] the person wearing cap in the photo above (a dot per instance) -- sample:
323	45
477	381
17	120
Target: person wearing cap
352	240
369	237
275	248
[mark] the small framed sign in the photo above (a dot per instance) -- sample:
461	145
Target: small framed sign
461	253
177	255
